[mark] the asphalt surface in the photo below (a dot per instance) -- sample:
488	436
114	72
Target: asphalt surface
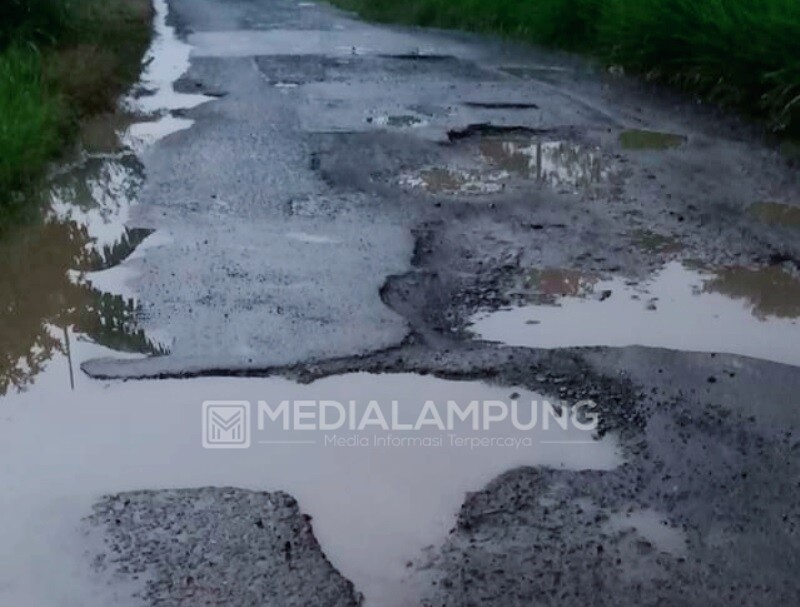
347	202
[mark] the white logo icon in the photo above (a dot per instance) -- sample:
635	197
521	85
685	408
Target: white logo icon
226	424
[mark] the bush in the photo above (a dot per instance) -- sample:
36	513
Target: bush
743	53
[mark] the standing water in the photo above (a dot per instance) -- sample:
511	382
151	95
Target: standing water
66	440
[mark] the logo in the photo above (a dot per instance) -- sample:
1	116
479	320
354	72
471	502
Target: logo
226	424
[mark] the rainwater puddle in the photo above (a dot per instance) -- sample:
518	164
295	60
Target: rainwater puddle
398	121
635	139
751	312
61	279
455	181
142	135
166	61
555	163
65	440
375	506
500	162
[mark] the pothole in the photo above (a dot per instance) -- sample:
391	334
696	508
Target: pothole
555	163
747	311
493	163
454	181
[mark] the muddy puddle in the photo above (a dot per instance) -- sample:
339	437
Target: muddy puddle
61	280
746	311
506	161
376	506
66	439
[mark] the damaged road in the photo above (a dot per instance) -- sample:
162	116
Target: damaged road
401	210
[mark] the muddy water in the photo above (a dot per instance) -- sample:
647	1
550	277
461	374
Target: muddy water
375	508
58	276
65	439
500	162
556	163
747	311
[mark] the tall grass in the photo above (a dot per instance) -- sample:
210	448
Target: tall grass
60	60
742	53
29	118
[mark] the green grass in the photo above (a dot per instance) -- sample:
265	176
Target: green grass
30	118
739	53
60	62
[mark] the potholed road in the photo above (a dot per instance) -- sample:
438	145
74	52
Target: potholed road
305	207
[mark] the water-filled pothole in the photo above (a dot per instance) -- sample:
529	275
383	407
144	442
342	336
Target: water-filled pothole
490	164
747	311
555	163
61	279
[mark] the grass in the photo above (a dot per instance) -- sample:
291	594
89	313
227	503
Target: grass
739	53
61	61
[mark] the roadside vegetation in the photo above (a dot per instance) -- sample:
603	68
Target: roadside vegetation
60	61
739	53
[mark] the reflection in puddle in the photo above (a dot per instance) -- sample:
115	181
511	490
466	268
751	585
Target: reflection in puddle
167	60
40	303
375	508
776	214
635	139
551	283
144	134
60	279
455	181
97	194
556	163
770	292
738	311
99	134
504	161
